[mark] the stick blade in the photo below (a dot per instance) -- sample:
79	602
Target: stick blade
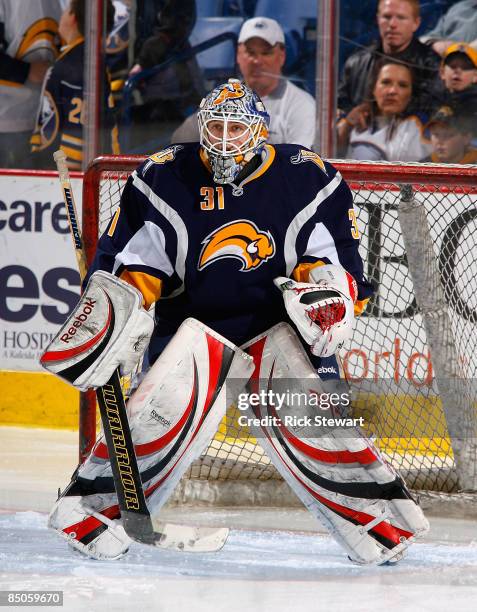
192	539
171	536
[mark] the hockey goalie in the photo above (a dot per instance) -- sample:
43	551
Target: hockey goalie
249	253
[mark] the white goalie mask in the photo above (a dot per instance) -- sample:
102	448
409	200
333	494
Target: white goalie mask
233	125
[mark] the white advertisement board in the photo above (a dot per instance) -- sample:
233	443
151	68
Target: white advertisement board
39	282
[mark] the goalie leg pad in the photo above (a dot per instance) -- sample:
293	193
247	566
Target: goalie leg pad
176	410
332	467
173	415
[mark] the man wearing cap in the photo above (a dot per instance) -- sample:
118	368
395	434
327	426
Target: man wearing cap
451	136
260	57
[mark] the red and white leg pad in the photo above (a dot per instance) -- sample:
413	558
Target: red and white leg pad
334	469
173	415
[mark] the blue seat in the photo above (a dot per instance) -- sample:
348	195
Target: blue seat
241	8
430	14
290	14
218	62
209	8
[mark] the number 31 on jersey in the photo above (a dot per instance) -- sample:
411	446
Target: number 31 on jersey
212	195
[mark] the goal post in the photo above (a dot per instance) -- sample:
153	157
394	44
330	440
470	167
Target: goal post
411	363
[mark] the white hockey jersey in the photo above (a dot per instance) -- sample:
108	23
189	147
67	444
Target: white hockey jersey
29	31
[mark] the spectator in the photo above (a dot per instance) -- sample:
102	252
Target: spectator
457	86
163	28
260	57
459	24
398	21
27	47
459	67
459	76
61	115
384	129
451	136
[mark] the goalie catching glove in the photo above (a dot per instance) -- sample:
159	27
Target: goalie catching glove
108	329
323	309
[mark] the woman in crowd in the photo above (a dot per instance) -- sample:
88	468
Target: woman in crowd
383	128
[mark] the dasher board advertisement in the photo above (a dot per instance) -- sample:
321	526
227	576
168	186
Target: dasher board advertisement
39	281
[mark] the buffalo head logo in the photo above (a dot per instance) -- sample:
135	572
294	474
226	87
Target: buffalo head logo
230	91
241	240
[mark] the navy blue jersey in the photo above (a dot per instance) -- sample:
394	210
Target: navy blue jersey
212	251
61	114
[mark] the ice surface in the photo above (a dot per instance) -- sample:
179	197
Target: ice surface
264	566
256	570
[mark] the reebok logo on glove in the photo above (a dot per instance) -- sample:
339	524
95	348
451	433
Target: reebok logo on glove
79	320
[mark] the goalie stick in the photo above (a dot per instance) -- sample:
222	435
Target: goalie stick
136	519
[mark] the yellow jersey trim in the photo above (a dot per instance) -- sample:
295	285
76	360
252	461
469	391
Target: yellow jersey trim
264	166
10	83
72	153
302	271
68	48
359	306
149	286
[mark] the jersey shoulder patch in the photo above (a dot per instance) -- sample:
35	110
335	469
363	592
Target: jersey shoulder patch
305	155
161	157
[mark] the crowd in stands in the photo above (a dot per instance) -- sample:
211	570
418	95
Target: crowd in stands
163	29
411	95
384	111
27	49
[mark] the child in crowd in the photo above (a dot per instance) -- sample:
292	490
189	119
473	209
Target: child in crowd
451	136
458	73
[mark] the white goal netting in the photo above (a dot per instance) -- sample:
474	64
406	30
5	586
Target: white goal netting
411	363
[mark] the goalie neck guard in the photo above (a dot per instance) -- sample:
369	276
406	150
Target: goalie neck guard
233	126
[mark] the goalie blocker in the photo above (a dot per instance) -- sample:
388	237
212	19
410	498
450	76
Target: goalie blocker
108	328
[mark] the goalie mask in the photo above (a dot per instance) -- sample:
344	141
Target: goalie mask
233	125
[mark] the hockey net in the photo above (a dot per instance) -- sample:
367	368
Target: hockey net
411	363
